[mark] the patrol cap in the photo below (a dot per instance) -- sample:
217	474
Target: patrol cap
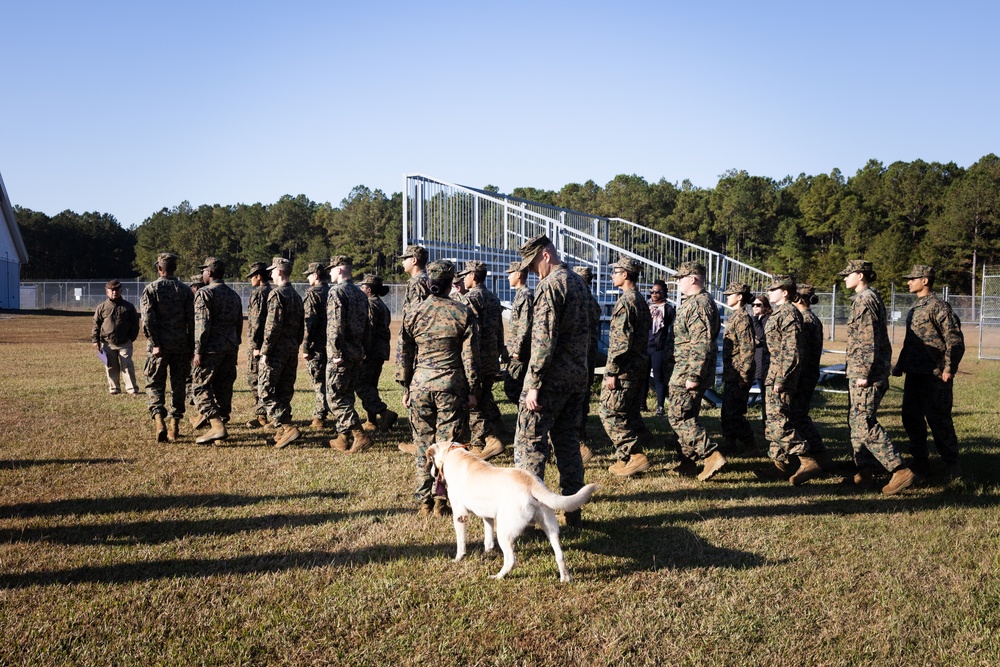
515	267
114	283
317	268
736	288
340	260
165	257
473	266
214	264
807	292
690	269
782	281
584	272
416	251
628	264
530	250
197	280
441	269
374	282
856	266
921	271
257	269
280	263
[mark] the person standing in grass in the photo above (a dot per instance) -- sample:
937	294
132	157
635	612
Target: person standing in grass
869	355
314	338
661	343
518	339
116	326
595	335
737	371
812	351
279	352
414	260
260	280
379	415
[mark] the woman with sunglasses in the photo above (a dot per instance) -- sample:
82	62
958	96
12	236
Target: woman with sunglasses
661	341
760	311
737	371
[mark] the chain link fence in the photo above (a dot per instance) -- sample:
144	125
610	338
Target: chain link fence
989	314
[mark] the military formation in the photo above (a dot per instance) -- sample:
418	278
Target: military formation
452	349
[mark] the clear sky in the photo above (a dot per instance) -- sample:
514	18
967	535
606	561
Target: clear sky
129	107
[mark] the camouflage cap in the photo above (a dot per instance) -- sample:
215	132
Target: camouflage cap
782	281
196	280
515	267
737	288
921	271
285	265
340	260
584	272
165	257
628	264
441	269
257	269
473	266
317	268
690	269
416	251
530	250
374	282
857	265
806	291
214	264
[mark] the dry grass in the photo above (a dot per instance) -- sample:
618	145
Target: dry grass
115	550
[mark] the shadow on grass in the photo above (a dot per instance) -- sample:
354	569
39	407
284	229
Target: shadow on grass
122	504
15	464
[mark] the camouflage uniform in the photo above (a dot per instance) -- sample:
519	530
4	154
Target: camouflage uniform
436	364
416	291
167	309
934	344
218	330
484	419
348	333
284	328
594	310
256	316
628	361
737	372
812	350
696	330
314	339
376	355
518	342
783	333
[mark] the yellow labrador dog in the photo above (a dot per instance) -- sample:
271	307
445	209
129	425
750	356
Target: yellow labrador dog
508	500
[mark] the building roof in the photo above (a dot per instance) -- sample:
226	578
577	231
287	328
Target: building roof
7	213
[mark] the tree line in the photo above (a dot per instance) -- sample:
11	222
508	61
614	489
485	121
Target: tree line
895	216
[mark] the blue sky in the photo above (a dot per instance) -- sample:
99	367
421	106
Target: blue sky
129	107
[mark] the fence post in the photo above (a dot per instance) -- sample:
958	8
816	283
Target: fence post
833	313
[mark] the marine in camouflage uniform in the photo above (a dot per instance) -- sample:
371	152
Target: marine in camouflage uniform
696	330
484	419
556	379
869	355
783	333
737	370
594	310
218	331
196	282
167	309
348	334
414	259
624	374
436	365
812	351
518	338
284	328
314	340
376	355
260	279
933	348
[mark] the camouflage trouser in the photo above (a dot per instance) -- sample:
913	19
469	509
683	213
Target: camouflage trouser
513	381
341	381
620	416
189	387
684	406
213	384
277	384
483	418
178	364
734	422
783	438
558	421
928	397
801	402
253	380
317	373
435	416
371	402
872	445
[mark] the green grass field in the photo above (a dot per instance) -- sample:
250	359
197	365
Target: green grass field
115	550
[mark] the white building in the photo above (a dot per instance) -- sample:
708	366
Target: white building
12	254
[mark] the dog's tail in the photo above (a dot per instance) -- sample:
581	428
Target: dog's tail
557	502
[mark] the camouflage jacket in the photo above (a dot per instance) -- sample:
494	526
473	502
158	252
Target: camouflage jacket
285	322
438	348
869	352
380	318
738	348
934	343
696	332
256	315
314	309
812	344
783	333
628	337
519	328
348	329
594	310
560	334
167	308
489	317
115	322
218	319
417	290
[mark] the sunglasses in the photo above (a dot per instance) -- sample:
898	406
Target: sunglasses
656	291
758	305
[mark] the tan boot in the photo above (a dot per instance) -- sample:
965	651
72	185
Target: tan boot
369	426
173	429
863	478
362	441
713	464
901	479
285	435
217	432
779	470
585	453
317	423
441	507
340	443
493	447
198	420
407	448
809	468
636	463
160	429
257	422
386	421
426	506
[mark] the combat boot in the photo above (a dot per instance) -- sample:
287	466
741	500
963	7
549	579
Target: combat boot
635	464
426	507
809	468
285	435
198	421
340	443
386	421
173	429
713	464
780	471
369	426
493	447
257	422
362	441
160	429
317	423
441	507
863	478
407	448
217	432
585	453
686	468
901	479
